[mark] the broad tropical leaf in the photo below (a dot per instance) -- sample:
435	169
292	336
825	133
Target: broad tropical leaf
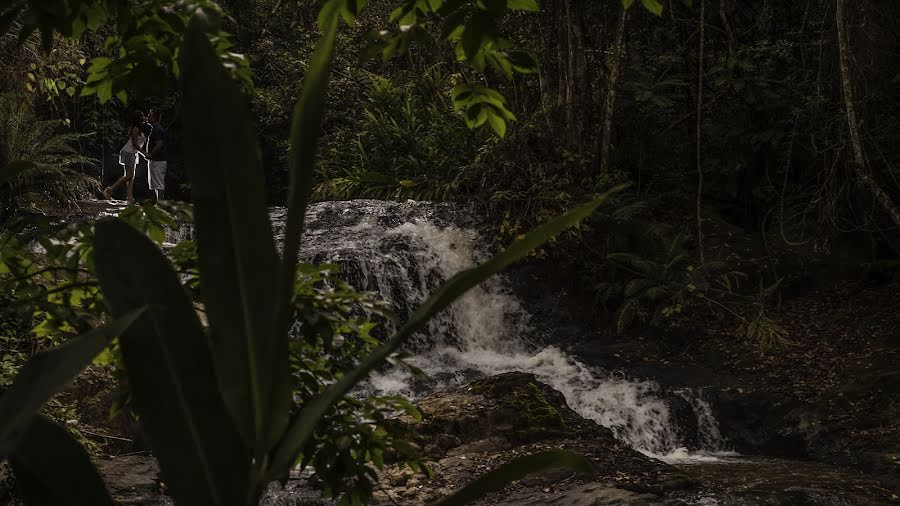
52	469
516	470
47	373
236	249
170	369
305	422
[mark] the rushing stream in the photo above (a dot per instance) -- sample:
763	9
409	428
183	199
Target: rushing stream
404	251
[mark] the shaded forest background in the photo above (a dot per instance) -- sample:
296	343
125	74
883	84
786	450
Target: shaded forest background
732	130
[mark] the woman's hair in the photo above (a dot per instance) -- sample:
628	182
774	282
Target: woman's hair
136	119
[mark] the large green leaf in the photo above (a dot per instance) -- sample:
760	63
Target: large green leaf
306	128
9	172
516	470
237	257
305	422
52	469
170	371
47	373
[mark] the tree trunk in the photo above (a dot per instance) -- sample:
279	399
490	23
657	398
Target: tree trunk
575	94
543	78
728	31
858	161
699	131
614	70
571	134
562	81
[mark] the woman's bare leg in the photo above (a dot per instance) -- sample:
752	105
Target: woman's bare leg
126	178
129	184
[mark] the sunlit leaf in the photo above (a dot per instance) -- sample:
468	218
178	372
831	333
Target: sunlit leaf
653	6
523	5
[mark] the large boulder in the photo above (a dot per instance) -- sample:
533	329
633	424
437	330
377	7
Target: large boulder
468	431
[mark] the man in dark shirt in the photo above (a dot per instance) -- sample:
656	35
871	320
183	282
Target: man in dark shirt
156	154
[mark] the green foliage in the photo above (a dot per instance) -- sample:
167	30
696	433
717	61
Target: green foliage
37	157
144	48
473	29
658	91
651	280
767	332
403	144
360	434
52	298
480	104
170	370
648	289
57	74
762	328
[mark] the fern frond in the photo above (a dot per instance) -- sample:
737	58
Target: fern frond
656	293
633	262
637	286
627	314
629	212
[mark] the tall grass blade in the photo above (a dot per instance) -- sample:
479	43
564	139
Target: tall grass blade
237	257
306	128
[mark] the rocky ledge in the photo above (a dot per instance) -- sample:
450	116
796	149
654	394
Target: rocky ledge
464	433
468	431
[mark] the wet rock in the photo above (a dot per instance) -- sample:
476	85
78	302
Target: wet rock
296	492
7	482
470	430
681	413
513	406
760	423
132	479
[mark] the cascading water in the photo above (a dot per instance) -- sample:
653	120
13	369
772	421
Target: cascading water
405	250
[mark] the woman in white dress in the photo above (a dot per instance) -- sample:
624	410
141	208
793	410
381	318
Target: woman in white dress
128	156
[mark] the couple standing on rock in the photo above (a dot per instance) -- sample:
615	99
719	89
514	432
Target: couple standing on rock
152	146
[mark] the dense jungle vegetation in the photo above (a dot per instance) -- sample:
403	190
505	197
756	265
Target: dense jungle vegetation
752	148
755	136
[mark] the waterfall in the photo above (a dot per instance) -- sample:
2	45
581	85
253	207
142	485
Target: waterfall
405	250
